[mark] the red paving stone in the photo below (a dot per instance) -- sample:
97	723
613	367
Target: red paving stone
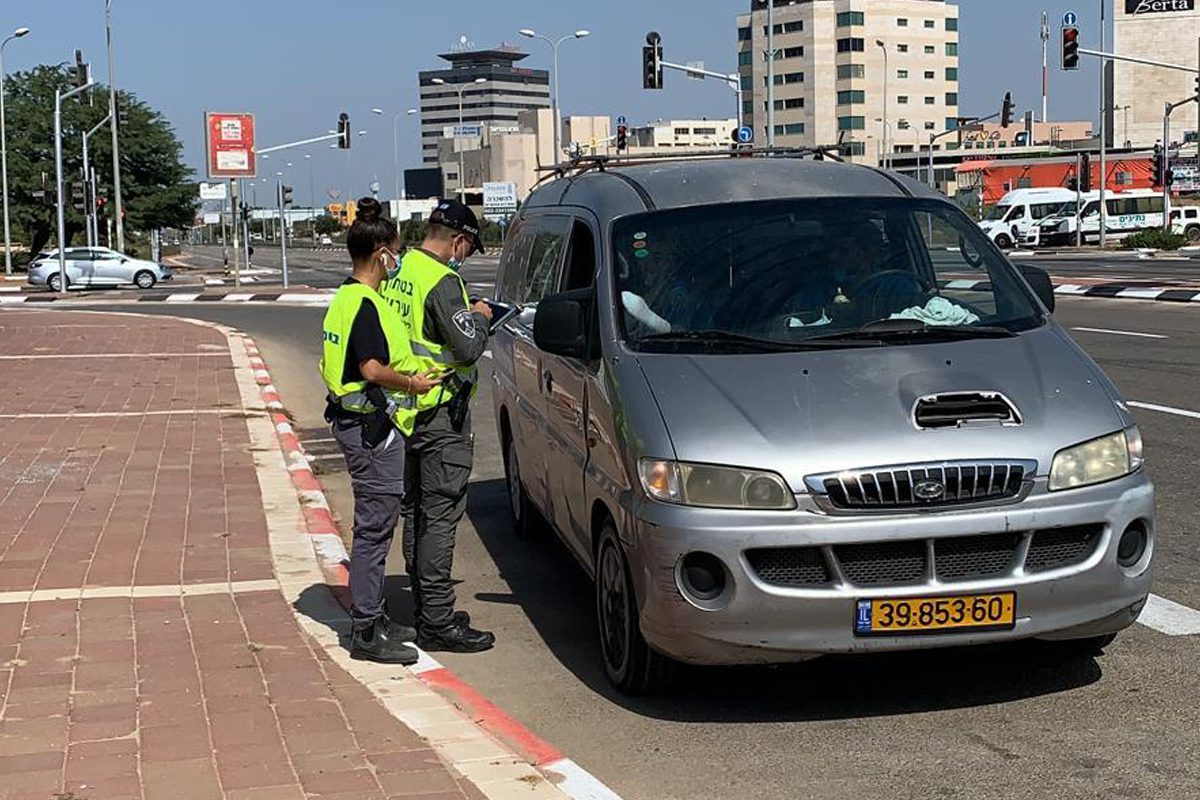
205	696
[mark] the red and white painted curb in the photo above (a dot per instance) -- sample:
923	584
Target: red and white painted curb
564	773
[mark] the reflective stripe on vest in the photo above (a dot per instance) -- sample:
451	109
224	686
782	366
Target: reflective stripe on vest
339	321
419	274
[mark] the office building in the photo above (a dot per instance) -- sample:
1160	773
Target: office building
685	134
1160	30
830	78
490	106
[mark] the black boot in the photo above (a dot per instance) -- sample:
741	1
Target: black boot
461	618
376	643
398	630
456	639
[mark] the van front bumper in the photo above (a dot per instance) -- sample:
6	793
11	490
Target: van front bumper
754	621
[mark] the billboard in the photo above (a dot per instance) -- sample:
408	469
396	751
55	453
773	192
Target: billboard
229	145
499	200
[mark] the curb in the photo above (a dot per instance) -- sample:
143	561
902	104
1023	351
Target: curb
318	298
1111	291
562	773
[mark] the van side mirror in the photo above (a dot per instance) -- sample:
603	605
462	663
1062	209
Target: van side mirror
566	325
1039	280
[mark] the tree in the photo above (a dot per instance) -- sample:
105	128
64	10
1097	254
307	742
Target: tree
326	224
155	185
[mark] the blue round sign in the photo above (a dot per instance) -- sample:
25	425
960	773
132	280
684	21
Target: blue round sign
1070	19
745	134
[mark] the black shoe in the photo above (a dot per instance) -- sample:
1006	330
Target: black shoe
399	631
460	619
377	644
456	639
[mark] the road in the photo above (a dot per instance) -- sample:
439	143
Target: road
996	722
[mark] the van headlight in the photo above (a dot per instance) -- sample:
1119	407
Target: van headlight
1104	459
714	487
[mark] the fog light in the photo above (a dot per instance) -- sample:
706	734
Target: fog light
703	576
1132	546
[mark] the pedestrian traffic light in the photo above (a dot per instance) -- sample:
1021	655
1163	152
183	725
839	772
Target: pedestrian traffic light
652	56
122	111
78	197
1006	110
245	213
83	76
622	138
1070	47
1158	166
285	193
343	130
1085	173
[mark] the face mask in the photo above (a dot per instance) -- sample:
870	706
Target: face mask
395	270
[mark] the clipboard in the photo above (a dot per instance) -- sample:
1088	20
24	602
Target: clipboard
501	314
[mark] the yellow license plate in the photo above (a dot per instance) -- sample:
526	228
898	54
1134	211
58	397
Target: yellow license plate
893	616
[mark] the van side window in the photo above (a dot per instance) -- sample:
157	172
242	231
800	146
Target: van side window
581	258
516	257
549	242
1018	212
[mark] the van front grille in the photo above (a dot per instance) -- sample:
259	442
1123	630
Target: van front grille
789	566
882	563
966	558
922	486
1062	547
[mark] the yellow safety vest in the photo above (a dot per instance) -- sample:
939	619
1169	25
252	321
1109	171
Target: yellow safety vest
339	320
406	293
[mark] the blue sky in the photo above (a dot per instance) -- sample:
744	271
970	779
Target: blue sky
296	64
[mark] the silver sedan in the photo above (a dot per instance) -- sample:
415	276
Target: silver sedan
95	266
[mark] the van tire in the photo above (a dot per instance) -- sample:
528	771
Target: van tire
1004	241
520	508
1192	233
630	664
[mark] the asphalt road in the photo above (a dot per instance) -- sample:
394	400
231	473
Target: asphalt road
995	722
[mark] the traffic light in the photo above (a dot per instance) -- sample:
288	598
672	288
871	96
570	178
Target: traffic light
1085	173
1070	47
245	213
622	138
121	110
286	195
1158	166
1006	110
83	76
101	202
78	197
652	56
343	130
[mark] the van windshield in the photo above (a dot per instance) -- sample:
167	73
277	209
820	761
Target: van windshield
797	271
996	213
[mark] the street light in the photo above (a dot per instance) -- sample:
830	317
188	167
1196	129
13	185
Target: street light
462	178
17	34
886	76
579	34
396	142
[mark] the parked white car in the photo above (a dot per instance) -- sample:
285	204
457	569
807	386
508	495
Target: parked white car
1185	220
95	266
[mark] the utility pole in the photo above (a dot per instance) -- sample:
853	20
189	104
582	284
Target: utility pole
770	74
58	181
1045	67
282	229
118	203
1103	129
90	179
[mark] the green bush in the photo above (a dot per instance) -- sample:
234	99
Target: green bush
1154	240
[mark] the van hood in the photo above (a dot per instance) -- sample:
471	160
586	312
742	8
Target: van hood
801	414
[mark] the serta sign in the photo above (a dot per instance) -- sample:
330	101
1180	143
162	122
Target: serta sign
1136	7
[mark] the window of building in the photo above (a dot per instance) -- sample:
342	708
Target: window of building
951	23
778	29
745	58
852	123
929	126
748	106
794	128
902	22
744	34
854	149
793	52
951	124
902	99
845	71
902	73
793	102
451	176
794	77
850	45
930	49
951	98
901	48
952	48
848	18
951	73
793	27
747	83
929	74
704	131
849	96
930	101
683	131
1124	178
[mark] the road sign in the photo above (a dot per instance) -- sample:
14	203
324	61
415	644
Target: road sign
695	65
745	135
621	120
212	219
1070	19
499	200
229	144
213	191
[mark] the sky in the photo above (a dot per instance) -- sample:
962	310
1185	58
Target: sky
297	63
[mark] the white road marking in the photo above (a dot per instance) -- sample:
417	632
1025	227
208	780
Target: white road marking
1169	617
1122	333
1179	412
1140	294
98	592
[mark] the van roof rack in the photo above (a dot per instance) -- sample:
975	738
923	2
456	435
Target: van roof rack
587	163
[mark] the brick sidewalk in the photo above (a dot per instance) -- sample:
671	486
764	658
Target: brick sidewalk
145	648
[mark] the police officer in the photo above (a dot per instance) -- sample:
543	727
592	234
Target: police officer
373	384
446	331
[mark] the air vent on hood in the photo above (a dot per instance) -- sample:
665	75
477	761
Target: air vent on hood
964	408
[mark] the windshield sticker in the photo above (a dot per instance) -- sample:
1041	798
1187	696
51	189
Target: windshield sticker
641	253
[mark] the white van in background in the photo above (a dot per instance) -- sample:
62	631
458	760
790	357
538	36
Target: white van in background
1128	212
1011	220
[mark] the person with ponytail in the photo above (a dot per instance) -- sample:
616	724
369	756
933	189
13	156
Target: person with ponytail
373	382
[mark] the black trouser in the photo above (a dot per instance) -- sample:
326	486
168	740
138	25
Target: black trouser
435	498
377	479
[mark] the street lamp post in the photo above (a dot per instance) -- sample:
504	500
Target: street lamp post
395	143
462	178
531	34
118	202
886	76
17	34
312	201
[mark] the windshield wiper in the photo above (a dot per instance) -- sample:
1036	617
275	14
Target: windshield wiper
902	329
735	339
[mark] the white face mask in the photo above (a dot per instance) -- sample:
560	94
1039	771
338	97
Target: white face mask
395	269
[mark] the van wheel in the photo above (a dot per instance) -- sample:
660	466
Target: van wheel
1193	233
145	279
520	508
629	662
1004	241
55	282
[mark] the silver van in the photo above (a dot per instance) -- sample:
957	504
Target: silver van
780	407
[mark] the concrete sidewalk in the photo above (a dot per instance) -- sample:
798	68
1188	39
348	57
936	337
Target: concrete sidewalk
146	650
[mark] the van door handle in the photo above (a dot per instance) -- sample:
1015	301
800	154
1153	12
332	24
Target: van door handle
549	383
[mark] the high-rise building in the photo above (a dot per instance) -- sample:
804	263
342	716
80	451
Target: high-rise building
494	91
830	78
1160	30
